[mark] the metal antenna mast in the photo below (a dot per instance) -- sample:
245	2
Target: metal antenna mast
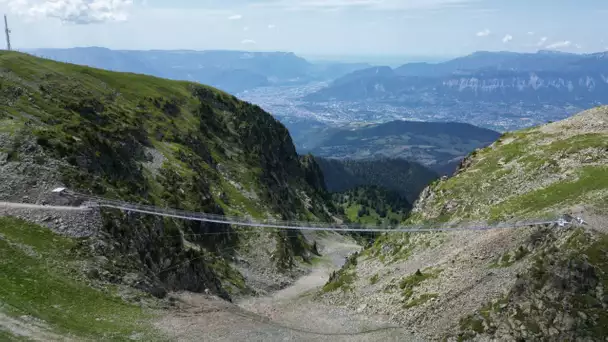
8	34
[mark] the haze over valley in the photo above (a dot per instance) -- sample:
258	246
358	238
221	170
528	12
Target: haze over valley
501	91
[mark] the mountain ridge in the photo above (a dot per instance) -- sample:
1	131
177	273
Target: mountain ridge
152	141
437	145
230	70
511	78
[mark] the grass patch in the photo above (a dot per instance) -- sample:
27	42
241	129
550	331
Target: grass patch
591	178
408	283
343	281
578	143
423	298
472	323
319	260
10	126
343	278
510	258
391	248
38	279
374	279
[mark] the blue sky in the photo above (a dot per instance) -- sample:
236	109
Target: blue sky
314	27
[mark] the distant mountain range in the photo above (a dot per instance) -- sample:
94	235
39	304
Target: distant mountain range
437	145
512	78
232	71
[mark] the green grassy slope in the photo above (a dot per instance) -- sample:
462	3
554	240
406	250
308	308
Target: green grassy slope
530	173
99	121
41	278
166	143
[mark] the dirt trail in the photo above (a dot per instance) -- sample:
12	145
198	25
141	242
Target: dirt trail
11	205
290	314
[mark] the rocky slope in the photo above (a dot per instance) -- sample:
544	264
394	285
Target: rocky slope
535	283
165	143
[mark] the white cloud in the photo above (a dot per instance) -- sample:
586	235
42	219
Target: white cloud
482	10
507	38
483	33
530	33
271	26
558	45
299	5
73	11
246	28
248	42
542	41
235	17
578	46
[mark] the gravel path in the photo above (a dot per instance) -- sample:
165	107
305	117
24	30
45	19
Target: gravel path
290	314
11	205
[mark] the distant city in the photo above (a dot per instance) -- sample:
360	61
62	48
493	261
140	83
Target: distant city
501	91
286	103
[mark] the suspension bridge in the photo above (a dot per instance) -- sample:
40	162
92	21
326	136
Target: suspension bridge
91	202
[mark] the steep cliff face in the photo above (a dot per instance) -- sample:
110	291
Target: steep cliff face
539	86
518	79
159	142
551	87
535	283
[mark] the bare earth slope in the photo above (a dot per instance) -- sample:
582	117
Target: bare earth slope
537	283
290	314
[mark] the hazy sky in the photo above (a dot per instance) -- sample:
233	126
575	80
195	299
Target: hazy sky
325	27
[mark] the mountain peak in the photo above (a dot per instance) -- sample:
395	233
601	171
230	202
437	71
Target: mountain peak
375	71
553	52
594	120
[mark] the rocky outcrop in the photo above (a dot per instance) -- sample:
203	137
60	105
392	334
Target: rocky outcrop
560	297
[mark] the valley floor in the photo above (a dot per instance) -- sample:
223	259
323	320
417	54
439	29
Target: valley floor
290	314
